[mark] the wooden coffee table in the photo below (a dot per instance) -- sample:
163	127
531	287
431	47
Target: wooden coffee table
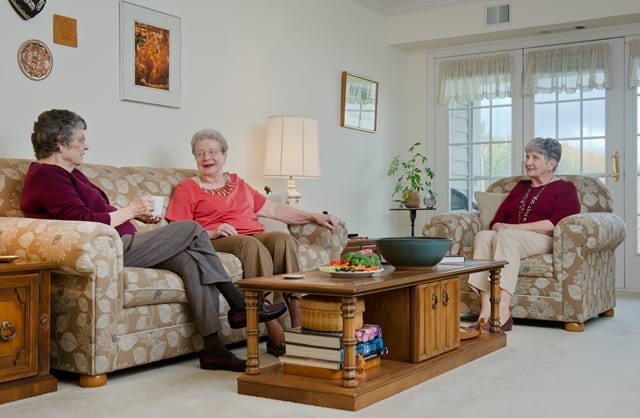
419	311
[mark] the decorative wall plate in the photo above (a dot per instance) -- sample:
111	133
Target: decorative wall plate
28	8
34	59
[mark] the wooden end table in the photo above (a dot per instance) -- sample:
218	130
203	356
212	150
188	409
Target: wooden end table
408	306
24	330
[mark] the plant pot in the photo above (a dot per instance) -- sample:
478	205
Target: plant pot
412	200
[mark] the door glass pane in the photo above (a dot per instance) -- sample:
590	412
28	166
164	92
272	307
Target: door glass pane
501	153
545	119
593	156
458	161
570	160
580	127
459	198
593	117
501	124
482	160
569	119
481	125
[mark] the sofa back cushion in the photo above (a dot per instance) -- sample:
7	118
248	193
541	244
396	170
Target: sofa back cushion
592	193
157	182
12	172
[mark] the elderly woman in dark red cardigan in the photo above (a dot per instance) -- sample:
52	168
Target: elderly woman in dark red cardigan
54	188
523	225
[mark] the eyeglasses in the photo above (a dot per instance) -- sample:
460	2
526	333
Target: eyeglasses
211	153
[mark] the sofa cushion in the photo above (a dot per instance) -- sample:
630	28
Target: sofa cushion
537	266
145	286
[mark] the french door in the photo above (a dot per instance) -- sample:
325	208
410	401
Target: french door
593	126
590	127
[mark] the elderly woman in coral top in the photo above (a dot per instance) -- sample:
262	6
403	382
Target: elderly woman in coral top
228	209
524	223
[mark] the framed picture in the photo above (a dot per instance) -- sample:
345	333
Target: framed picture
149	56
359	108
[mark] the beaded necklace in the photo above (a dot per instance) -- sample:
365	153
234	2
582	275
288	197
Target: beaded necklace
523	212
225	190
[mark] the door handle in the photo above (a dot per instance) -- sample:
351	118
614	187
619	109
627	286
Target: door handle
615	166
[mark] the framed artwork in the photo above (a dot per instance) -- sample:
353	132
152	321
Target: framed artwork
359	109
149	56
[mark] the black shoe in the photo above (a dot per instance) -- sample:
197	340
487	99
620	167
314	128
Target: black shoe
210	361
238	319
276	349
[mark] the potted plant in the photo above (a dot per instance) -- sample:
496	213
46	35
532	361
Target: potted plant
415	177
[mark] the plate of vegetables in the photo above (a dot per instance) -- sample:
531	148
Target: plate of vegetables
363	263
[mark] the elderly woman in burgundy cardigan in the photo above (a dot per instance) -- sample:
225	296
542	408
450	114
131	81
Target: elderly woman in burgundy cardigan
523	225
54	188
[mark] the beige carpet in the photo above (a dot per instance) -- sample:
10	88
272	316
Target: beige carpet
543	372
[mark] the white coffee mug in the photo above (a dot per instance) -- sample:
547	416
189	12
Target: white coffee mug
158	203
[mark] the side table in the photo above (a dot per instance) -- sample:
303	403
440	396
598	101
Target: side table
25	301
412	215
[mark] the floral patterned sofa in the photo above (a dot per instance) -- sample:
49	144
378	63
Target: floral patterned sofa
106	317
573	283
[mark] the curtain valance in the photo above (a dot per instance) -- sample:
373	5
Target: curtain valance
566	69
475	78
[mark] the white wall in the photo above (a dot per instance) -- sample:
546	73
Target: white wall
465	21
242	61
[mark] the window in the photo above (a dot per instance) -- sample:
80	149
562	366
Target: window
479	148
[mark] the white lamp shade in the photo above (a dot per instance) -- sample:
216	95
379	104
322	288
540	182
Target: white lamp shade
292	147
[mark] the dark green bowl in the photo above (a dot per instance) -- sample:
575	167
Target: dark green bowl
413	251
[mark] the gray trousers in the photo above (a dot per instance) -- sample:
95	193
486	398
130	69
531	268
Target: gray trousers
185	249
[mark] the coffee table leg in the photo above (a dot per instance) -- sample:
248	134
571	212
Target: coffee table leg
349	377
253	355
494	298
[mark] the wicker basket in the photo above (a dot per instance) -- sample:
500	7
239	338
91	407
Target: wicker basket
320	313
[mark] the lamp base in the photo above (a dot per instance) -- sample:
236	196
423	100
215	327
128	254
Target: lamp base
293	195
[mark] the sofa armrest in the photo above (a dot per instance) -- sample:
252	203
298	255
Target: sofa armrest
461	227
80	248
314	234
585	233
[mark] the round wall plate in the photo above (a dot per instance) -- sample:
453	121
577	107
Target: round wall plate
34	59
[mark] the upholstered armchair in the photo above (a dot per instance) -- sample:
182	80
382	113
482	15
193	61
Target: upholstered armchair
573	283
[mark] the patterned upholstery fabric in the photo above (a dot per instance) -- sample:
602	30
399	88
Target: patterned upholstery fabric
573	283
106	317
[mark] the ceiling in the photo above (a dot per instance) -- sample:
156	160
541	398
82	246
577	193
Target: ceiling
398	7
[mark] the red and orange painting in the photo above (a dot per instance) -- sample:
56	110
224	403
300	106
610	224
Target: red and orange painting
151	56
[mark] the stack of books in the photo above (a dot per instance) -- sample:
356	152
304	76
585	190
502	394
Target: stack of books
310	352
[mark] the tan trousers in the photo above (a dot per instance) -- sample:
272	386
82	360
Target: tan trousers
511	245
263	254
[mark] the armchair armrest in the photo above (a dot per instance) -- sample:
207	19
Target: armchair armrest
585	233
80	248
461	227
314	234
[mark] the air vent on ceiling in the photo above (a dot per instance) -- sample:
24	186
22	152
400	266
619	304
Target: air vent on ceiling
497	15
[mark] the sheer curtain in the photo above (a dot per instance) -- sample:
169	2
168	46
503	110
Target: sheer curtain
566	69
474	78
634	63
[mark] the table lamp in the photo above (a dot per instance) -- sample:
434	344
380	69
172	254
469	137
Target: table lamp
292	151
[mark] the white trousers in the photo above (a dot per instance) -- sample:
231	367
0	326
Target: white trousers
511	245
